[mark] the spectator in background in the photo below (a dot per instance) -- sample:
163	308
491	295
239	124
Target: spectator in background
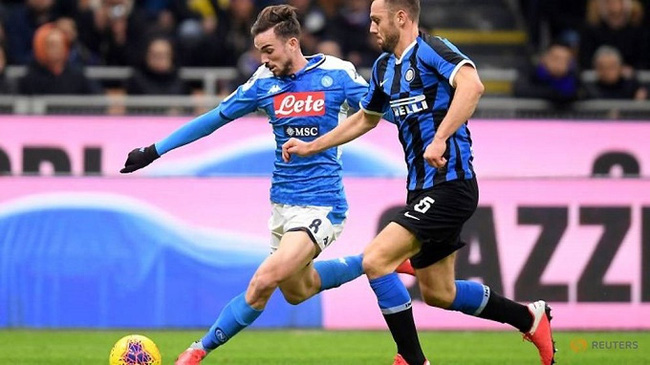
114	30
616	23
79	55
312	21
68	8
247	64
351	31
611	83
319	20
3	37
158	74
553	19
232	37
21	23
6	86
50	72
330	48
555	78
196	20
260	4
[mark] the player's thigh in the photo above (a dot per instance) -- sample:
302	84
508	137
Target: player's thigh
388	249
302	284
295	252
302	232
436	218
322	224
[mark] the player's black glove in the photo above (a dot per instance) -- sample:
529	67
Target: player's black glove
139	158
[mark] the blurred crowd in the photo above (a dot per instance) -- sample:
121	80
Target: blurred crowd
56	39
610	37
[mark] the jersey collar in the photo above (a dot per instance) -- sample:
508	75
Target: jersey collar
312	62
406	51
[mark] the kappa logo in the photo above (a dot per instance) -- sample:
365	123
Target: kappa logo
274	89
302	104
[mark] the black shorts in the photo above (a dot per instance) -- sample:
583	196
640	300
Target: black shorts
436	217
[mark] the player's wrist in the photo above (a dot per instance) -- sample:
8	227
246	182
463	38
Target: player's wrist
441	137
315	146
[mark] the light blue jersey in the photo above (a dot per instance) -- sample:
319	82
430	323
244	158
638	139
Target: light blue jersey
305	105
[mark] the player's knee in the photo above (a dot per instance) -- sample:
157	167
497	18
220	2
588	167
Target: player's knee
264	282
440	297
373	265
369	267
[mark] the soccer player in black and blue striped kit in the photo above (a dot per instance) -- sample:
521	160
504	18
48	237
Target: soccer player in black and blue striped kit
432	89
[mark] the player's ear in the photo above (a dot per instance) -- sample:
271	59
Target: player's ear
401	17
294	43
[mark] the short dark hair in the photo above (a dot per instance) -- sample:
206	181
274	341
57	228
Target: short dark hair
282	18
411	7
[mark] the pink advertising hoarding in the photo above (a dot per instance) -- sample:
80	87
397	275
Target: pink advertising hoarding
583	244
503	149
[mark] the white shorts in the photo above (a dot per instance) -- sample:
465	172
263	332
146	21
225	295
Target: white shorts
313	219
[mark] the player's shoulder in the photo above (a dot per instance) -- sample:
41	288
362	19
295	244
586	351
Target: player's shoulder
335	63
261	75
430	40
382	60
436	45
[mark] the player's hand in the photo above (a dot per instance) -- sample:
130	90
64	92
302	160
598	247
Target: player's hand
139	158
434	152
295	146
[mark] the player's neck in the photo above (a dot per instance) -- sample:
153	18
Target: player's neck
299	62
408	36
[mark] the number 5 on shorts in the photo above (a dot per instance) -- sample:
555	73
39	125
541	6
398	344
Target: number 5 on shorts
424	204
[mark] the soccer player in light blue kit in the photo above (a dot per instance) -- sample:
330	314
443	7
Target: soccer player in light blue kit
303	98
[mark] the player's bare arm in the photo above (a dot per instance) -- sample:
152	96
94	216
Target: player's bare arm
468	92
353	127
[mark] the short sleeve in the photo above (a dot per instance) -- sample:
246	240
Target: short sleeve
355	85
376	101
444	58
243	100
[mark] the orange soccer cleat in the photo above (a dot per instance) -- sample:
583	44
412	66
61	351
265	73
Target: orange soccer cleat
540	333
191	356
399	360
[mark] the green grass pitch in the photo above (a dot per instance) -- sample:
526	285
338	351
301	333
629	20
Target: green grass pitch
49	347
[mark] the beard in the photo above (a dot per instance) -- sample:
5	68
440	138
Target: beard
282	69
390	42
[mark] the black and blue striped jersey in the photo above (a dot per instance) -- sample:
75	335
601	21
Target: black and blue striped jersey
417	88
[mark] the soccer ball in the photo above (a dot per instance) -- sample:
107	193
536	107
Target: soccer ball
135	350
